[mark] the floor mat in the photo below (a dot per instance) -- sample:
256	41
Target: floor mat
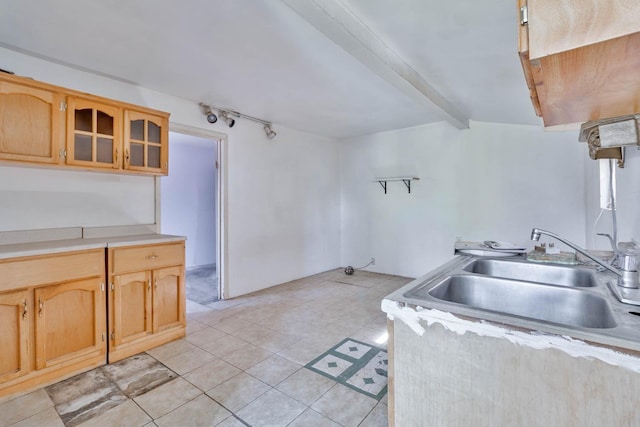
359	366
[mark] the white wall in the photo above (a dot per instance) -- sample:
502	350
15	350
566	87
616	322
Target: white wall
33	198
491	181
284	218
283	195
188	196
627	201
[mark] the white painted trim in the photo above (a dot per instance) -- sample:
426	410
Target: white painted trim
343	27
156	216
222	224
221	202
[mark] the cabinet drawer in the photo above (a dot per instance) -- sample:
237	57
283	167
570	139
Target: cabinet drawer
146	257
41	270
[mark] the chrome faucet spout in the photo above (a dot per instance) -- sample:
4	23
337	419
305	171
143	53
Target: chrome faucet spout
626	279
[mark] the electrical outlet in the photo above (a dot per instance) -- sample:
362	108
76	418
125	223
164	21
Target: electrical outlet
373	261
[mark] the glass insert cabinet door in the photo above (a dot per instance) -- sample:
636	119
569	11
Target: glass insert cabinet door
145	142
93	133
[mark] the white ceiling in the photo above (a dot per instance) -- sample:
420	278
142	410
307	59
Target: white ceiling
264	59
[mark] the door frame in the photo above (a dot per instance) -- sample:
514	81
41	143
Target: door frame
221	199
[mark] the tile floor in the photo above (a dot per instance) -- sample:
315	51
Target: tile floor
242	363
202	284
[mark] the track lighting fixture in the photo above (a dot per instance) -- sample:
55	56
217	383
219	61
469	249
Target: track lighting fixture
206	110
225	118
269	132
226	115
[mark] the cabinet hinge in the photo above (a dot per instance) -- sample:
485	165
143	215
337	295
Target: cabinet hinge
62	153
63	106
524	15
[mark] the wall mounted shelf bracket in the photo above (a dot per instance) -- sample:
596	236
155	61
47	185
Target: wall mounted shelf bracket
405	179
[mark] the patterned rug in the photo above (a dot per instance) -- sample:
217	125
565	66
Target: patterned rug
359	366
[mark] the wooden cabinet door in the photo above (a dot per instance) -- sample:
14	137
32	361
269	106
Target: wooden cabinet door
168	298
15	315
30	123
93	133
146	142
69	321
581	59
131	307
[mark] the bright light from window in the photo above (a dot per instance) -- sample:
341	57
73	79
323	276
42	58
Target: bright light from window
605	188
382	339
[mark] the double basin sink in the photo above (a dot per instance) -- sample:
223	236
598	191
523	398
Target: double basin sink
565	296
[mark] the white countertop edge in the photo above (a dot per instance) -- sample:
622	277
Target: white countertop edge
45	248
71	245
532	339
118	230
142	239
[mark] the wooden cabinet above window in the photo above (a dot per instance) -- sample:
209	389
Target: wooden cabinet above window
46	124
581	58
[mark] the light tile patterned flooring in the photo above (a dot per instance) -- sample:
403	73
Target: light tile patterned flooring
242	362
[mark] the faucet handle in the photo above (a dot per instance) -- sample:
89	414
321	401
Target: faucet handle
628	248
628	256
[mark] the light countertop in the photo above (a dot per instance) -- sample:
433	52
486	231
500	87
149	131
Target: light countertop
15	250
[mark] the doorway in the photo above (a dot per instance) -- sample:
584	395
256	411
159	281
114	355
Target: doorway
189	206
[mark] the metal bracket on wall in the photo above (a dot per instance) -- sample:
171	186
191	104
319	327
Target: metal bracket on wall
405	179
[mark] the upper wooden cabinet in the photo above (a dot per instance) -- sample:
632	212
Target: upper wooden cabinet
146	143
581	58
46	124
31	122
94	133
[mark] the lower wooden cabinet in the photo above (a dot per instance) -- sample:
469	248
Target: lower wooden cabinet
52	317
70	322
14	339
131	308
54	320
147	297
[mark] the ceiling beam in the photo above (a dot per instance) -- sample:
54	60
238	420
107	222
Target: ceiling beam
341	26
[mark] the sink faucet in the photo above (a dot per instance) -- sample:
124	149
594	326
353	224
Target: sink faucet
626	278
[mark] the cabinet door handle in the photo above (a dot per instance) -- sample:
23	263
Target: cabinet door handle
115	160
149	284
40	307
126	156
24	310
156	282
151	257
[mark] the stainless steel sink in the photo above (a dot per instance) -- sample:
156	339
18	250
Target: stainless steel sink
578	304
554	304
543	273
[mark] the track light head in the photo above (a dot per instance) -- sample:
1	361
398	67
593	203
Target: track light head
228	120
269	132
206	110
211	118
